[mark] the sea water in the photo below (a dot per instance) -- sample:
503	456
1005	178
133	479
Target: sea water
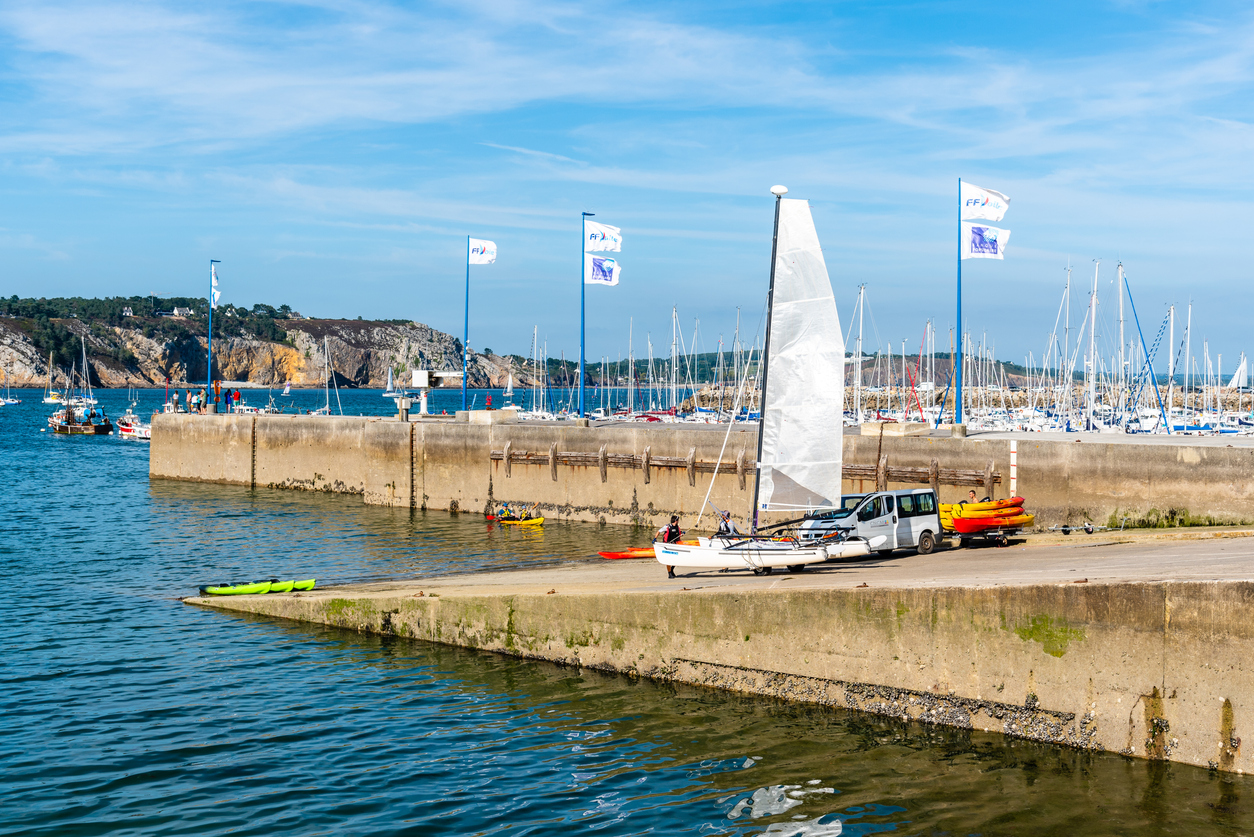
123	711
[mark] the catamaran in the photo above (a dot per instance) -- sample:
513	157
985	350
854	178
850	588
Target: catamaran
799	458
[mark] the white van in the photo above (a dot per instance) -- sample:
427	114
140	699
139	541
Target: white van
887	520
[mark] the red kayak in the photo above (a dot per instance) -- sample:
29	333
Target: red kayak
973	526
635	552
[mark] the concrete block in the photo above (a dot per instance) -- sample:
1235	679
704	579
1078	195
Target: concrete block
492	416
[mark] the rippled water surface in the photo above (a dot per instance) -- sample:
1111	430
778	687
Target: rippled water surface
123	711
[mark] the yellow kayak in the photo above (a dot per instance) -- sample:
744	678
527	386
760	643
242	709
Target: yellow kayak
533	521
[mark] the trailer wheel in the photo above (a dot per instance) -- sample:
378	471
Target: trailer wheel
797	568
883	552
927	542
761	570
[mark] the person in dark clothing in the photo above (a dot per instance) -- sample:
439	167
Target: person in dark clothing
671	534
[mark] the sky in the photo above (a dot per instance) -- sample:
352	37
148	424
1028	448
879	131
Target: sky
335	155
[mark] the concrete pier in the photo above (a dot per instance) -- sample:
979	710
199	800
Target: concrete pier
1143	648
643	473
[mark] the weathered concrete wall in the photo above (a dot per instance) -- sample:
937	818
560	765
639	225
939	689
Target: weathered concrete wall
448	466
189	448
1160	670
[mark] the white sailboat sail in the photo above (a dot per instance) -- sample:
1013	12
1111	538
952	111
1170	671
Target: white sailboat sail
800	456
509	386
1241	379
801	428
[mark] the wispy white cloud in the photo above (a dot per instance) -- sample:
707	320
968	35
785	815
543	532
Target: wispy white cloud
424	120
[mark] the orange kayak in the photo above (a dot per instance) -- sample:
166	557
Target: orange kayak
636	552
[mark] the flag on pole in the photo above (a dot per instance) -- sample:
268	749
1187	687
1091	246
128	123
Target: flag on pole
214	293
600	270
602	237
982	204
481	252
980	241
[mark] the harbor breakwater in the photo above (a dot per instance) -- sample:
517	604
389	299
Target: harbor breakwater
640	474
1151	670
1148	667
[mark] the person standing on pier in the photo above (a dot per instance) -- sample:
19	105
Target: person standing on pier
671	534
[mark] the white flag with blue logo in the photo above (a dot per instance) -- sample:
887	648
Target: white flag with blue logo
982	204
980	241
214	293
598	237
481	252
600	270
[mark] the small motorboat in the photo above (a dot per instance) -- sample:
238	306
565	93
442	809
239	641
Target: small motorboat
130	426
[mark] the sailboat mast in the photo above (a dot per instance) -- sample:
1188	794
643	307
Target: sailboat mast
1091	383
631	367
857	387
1122	365
1171	362
779	192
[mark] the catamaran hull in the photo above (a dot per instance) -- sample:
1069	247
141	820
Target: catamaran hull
847	549
736	554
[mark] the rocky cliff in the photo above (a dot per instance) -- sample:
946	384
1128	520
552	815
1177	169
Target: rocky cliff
358	353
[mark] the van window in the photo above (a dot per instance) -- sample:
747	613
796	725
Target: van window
872	509
906	504
925	503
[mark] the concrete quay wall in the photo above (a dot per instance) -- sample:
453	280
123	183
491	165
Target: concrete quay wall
448	465
1152	670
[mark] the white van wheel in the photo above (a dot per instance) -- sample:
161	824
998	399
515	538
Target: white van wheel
927	542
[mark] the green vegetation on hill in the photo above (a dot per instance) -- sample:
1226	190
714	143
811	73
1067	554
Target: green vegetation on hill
45	321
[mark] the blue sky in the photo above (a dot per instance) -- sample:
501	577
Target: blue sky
334	155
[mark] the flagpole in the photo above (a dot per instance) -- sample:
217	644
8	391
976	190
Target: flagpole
466	324
958	367
209	360
583	278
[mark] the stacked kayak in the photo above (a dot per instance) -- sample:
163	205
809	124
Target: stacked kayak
255	588
991	517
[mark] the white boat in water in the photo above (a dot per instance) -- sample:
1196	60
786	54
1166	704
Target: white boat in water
799	446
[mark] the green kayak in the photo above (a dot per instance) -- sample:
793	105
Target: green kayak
252	588
236	588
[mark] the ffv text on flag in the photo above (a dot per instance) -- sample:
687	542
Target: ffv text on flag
982	204
598	237
481	252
